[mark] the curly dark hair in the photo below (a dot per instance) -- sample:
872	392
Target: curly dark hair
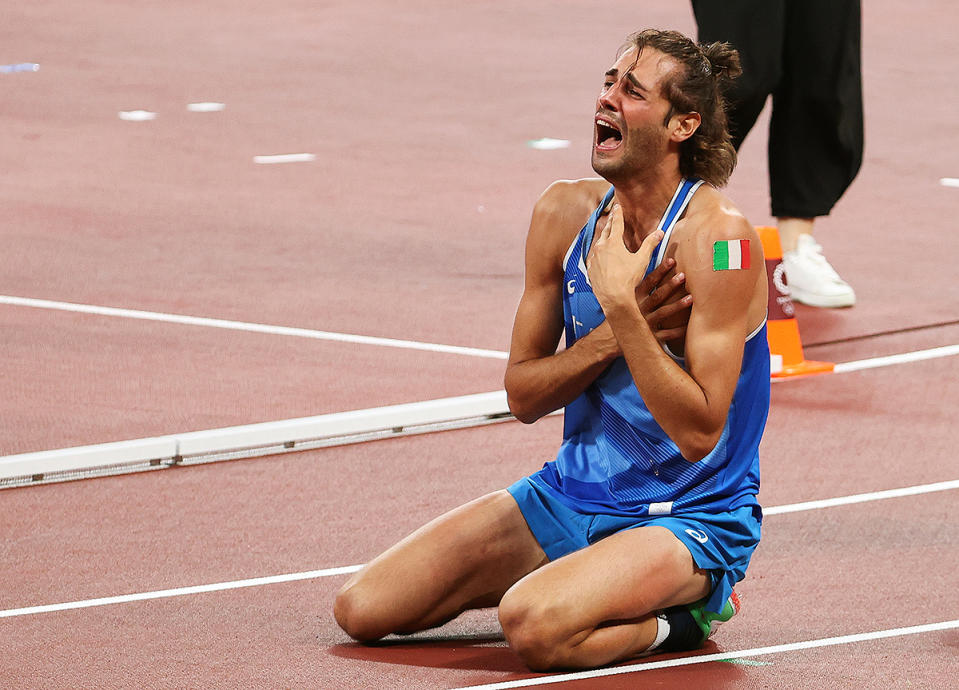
706	70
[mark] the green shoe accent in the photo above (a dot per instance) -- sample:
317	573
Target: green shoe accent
708	621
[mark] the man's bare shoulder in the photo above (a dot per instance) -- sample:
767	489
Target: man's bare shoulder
710	217
572	200
713	219
561	212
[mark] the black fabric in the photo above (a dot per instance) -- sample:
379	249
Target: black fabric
684	635
806	54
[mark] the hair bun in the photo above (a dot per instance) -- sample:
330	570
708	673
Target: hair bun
723	61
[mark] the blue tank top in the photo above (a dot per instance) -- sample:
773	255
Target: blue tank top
615	458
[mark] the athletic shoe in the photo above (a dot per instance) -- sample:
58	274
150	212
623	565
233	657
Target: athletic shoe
812	280
708	622
690	626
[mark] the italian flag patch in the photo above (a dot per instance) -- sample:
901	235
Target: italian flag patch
730	254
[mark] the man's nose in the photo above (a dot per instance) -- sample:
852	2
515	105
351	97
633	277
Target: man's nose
608	98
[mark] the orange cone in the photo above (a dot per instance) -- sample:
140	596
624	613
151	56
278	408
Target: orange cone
785	346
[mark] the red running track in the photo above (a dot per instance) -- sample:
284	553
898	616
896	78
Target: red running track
410	224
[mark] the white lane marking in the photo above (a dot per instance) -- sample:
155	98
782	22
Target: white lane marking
20	67
876	362
205	107
330	572
250	327
285	158
548	144
180	591
842	367
862	498
721	656
136	115
949	181
916	356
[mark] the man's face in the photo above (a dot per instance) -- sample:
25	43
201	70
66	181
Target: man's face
629	130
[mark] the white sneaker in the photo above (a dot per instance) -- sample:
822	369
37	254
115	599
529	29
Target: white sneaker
812	280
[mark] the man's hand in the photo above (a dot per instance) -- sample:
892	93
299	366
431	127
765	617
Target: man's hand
653	296
616	275
615	272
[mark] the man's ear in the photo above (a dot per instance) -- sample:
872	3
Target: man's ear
683	126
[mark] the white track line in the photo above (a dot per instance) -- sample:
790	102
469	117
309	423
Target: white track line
181	591
330	572
250	327
861	498
721	656
285	158
916	356
842	367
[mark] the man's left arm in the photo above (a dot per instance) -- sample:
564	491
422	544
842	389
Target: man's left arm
690	405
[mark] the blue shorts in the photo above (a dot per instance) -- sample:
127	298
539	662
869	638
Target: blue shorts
720	543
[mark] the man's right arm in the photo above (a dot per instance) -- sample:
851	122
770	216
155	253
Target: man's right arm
538	379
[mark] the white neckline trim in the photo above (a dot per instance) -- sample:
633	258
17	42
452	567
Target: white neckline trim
758	328
679	212
569	252
748	338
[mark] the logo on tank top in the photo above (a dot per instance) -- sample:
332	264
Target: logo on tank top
571	287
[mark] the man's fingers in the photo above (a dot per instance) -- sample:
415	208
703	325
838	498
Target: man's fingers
656	275
661	291
591	253
602	234
649	244
650	301
668	334
614	224
667	310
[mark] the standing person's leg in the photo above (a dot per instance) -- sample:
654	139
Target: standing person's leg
464	559
597	605
816	138
816	131
755	28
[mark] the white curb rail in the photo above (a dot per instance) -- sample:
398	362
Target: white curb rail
253	440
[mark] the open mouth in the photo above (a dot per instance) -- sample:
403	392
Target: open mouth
608	136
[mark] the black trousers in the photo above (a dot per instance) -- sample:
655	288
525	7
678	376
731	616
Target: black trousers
806	54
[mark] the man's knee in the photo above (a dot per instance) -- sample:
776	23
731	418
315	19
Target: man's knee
356	613
532	630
